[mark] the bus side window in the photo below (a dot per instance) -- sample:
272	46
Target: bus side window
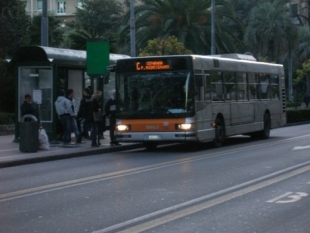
216	86
253	86
275	90
264	86
241	86
230	86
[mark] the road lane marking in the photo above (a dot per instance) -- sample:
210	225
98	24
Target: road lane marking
91	179
301	147
195	205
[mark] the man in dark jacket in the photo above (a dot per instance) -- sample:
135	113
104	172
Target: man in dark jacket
27	107
85	114
110	111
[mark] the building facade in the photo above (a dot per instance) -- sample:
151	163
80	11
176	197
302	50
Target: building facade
60	8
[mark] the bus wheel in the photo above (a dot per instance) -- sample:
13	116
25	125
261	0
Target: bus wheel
219	133
265	133
150	145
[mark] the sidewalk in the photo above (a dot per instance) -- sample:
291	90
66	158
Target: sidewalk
11	156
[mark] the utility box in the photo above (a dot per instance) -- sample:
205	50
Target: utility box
29	135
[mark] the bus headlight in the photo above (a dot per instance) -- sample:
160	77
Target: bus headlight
185	126
122	127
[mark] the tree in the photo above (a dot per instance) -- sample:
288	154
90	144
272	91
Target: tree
55	31
14	26
270	32
158	46
96	19
189	21
14	30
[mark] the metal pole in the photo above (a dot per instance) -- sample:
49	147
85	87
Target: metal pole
212	27
44	25
132	30
290	80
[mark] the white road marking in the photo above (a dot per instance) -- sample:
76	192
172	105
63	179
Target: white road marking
301	147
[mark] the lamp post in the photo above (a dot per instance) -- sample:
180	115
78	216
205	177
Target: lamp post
44	25
212	27
132	30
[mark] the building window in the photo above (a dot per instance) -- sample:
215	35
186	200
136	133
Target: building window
61	6
39	5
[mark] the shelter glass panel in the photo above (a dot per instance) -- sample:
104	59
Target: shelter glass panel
38	82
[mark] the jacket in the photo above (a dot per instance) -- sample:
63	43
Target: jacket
85	109
63	106
110	108
28	108
73	105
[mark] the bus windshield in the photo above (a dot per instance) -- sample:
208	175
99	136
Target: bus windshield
155	95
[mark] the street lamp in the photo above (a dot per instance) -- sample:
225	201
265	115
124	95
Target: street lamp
44	25
212	28
132	30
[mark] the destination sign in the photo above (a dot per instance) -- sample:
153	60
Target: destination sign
152	65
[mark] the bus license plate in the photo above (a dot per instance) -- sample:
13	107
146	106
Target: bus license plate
152	137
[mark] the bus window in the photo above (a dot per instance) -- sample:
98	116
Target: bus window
230	86
253	87
242	86
275	90
216	86
264	85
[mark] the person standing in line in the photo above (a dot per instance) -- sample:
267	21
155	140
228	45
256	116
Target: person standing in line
73	123
94	125
110	111
85	114
65	113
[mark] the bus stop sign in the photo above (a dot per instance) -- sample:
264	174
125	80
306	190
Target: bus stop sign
97	56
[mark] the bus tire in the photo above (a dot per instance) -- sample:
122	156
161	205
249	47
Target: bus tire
219	133
265	133
150	145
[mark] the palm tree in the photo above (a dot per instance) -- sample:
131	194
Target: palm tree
270	32
189	21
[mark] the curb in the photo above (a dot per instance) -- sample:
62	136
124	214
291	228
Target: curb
75	154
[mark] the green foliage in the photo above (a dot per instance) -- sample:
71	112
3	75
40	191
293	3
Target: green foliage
96	19
6	118
270	32
189	21
302	73
170	46
55	31
300	115
293	104
14	26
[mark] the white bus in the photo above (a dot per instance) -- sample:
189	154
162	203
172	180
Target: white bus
193	98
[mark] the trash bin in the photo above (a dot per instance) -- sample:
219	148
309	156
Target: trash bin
28	132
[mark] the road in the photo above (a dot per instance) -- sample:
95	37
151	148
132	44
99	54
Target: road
245	186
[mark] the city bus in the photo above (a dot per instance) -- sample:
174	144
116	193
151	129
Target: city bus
194	98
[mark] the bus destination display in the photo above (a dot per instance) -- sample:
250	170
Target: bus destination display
151	65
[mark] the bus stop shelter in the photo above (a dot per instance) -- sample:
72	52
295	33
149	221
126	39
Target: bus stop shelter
42	72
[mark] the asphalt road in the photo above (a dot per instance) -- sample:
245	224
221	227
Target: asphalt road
245	186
